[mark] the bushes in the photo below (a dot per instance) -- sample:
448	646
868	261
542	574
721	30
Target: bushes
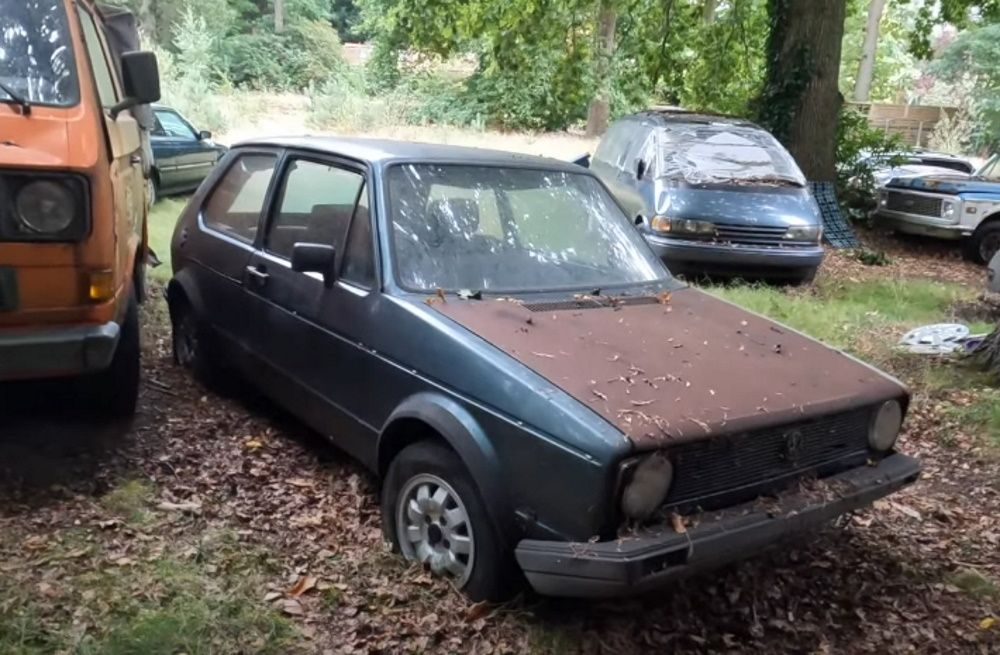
307	53
861	149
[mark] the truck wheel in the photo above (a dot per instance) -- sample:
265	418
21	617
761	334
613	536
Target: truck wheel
114	391
432	513
983	244
192	344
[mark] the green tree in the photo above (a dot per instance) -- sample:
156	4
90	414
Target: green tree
973	59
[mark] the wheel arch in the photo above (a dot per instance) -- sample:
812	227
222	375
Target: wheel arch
181	288
434	416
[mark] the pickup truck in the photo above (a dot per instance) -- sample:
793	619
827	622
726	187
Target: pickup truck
957	207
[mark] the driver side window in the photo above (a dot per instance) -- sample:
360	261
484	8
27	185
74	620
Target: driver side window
170	123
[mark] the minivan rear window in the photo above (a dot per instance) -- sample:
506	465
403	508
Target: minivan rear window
36	53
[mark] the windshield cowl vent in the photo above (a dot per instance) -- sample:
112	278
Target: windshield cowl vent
590	302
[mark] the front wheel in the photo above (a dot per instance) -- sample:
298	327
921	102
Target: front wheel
192	345
432	513
114	392
983	244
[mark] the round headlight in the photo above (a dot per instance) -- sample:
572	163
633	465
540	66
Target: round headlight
885	426
648	486
45	207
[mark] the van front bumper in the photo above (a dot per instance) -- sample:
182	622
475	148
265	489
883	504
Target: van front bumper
660	556
34	353
686	255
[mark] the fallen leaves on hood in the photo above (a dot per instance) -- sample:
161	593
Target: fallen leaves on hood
677	523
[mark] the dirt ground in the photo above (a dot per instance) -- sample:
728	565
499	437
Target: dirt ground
911	575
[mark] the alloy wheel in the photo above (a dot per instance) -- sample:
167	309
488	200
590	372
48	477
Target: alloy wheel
433	527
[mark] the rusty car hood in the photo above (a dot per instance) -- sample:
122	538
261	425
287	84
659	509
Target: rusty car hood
675	368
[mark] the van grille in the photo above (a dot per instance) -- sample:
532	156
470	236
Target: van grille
735	468
913	204
751	235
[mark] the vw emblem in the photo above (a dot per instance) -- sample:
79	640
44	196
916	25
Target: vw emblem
793	445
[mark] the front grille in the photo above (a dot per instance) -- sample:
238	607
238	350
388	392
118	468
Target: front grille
909	203
751	235
735	468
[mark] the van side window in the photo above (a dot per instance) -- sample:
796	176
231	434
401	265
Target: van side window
359	254
98	61
236	203
316	204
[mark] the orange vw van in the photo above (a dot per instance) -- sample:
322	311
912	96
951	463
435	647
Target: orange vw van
73	196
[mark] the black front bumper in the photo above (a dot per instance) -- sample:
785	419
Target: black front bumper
656	557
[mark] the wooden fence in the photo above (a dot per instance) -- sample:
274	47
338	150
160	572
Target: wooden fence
914	123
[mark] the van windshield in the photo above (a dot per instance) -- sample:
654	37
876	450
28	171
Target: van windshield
36	53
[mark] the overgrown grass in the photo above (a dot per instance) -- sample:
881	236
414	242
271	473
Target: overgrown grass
982	416
130	500
162	220
201	599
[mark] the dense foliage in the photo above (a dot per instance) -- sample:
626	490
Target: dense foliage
973	60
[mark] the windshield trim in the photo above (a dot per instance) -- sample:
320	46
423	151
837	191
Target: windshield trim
992	162
665	277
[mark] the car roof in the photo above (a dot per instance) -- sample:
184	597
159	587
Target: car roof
385	150
666	116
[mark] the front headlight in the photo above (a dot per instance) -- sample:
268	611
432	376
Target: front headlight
811	233
885	426
647	486
46	207
947	209
683	226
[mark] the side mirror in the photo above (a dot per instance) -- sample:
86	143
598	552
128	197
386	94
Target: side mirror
204	135
140	80
315	258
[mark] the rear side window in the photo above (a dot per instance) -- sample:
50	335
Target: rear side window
236	202
317	202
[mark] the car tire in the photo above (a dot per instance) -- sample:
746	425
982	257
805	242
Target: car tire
192	345
114	392
481	566
152	190
983	244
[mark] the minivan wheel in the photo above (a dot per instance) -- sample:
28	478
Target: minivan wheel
432	513
114	392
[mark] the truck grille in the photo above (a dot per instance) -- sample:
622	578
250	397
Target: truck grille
913	204
736	468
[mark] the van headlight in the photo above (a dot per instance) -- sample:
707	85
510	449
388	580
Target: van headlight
684	226
885	426
647	486
43	207
811	233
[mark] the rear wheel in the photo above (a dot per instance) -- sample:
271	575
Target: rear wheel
114	391
983	244
432	513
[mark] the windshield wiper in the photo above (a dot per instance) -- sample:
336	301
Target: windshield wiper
17	98
771	179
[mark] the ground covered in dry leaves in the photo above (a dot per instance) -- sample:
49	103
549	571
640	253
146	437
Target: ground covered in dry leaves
220	525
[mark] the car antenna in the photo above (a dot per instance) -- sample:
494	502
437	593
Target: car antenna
17	98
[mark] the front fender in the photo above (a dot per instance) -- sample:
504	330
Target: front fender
182	283
464	434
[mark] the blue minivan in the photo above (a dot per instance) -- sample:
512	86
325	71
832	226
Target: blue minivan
713	194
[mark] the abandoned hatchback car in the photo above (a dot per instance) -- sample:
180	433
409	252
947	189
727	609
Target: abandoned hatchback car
491	336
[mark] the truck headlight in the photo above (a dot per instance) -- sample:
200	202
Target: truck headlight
947	209
811	233
647	486
683	226
45	206
885	426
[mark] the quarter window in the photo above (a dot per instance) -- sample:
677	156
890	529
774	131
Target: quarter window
237	201
317	202
359	255
98	61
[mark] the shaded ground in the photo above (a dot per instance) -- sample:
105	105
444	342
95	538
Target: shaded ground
219	525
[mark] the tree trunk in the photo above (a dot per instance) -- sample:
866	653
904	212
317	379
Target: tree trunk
279	16
708	11
597	115
866	67
801	102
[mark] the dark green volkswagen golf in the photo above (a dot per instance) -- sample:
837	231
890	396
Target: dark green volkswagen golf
538	396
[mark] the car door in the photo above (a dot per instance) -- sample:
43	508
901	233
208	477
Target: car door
190	159
311	334
223	240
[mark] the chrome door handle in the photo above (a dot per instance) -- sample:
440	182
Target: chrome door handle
257	275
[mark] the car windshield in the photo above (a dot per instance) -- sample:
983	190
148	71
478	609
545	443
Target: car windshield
991	169
492	229
723	152
36	54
